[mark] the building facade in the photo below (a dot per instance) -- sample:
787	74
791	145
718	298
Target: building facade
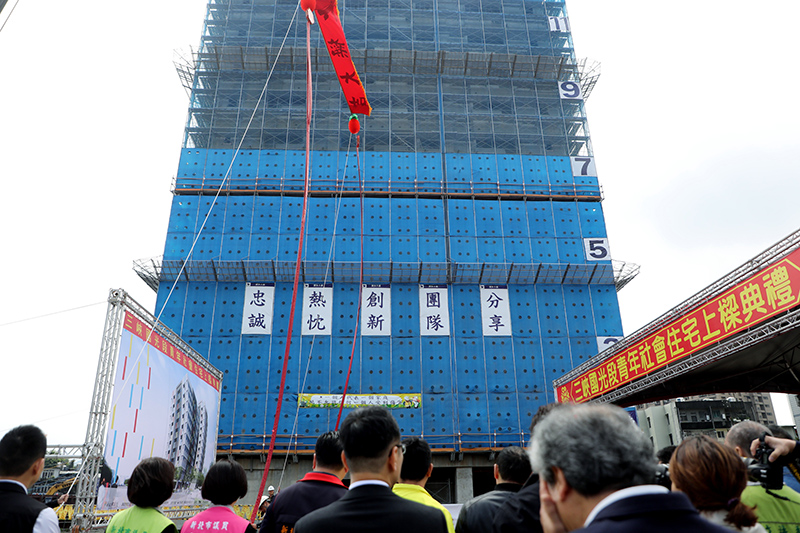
187	433
485	270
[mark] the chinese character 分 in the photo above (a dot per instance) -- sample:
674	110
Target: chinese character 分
494	300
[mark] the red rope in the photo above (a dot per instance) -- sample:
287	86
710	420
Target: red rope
360	284
296	275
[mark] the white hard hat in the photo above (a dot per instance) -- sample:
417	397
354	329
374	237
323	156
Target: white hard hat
270	488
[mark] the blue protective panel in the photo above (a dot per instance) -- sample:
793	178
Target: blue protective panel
348	217
525	317
406	375
226	417
534	170
463	249
240	214
459	173
287	246
439	420
515	218
429	172
540	219
470	364
461	217
559	170
340	363
177	245
504	420
570	250
500	375
578	304
488	218
183	215
208	246
375	365
484	172
264	247
517	249
490	249
267	215
466	310
582	349
256	358
592	219
432	249
291	214
376	248
606	310
315	364
528	362
435	364
409	420
509	169
347	248
566	219
404	248
345	306
474	420
280	316
377	217
404	216
318	247
321	216
556	358
211	215
403	171
430	217
552	319
405	310
235	246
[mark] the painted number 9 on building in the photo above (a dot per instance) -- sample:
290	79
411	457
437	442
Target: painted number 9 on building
569	90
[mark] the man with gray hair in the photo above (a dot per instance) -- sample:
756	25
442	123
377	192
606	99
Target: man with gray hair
774	508
595	465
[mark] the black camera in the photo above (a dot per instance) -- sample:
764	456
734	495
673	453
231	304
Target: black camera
770	475
661	476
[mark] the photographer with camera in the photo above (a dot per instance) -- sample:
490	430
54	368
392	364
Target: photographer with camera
776	505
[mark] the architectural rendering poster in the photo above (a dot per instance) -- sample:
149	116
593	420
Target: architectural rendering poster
164	404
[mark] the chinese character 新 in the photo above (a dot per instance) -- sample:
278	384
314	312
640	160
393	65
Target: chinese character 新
375	322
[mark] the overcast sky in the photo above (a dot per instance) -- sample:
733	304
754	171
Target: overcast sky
693	122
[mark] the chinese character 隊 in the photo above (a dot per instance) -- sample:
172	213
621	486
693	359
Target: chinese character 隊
317	299
375	299
258	299
433	299
435	322
257	321
493	300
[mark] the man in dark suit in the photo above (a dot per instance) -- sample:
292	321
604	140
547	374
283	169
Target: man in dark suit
374	456
594	465
21	463
320	487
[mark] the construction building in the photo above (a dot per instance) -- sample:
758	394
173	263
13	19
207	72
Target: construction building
486	270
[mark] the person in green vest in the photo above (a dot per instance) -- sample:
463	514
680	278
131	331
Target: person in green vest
150	485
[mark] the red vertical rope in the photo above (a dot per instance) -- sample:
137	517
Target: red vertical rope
360	285
296	275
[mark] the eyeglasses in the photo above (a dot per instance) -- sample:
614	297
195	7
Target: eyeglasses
401	446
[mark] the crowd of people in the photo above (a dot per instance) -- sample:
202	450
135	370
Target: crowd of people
587	468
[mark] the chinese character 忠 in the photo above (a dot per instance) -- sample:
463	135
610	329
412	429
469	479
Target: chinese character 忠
258	299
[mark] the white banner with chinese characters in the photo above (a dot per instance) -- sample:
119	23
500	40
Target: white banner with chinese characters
434	316
331	401
376	310
495	311
317	308
259	299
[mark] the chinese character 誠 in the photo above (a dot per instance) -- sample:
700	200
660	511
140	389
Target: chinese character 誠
375	299
375	322
257	321
496	324
316	322
433	299
435	322
317	299
258	299
494	300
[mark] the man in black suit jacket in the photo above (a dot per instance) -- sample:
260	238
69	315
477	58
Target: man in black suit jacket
594	465
374	456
